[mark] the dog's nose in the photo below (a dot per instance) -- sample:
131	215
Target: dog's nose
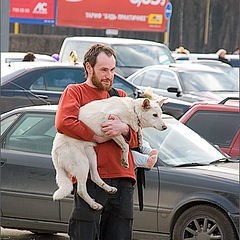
164	127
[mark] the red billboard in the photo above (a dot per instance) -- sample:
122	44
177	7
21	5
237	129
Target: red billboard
32	11
142	15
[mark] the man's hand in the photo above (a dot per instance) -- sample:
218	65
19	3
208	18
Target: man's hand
100	139
115	127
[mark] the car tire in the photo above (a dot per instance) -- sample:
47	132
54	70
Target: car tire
203	222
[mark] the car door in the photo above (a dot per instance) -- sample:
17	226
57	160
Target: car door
27	172
145	220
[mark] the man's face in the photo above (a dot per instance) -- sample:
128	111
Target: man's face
103	72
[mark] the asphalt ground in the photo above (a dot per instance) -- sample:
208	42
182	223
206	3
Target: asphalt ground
12	234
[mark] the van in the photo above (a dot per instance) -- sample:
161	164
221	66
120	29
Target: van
132	54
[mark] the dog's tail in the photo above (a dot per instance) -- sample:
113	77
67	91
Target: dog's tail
63	180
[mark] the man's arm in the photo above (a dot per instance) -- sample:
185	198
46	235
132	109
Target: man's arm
66	121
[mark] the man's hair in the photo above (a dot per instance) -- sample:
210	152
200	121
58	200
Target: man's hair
29	57
92	53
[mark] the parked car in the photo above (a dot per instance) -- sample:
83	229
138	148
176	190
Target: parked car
233	58
192	191
41	83
218	123
188	82
215	65
132	54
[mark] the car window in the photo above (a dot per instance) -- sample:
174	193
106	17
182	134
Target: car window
125	86
5	123
39	84
178	145
151	78
137	55
217	127
58	79
79	46
195	81
167	79
34	132
137	79
141	55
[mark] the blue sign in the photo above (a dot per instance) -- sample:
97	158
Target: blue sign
168	10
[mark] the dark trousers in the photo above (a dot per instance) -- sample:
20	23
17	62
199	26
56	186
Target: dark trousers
113	222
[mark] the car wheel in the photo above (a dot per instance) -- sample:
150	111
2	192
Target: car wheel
203	222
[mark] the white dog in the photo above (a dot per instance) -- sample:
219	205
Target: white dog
77	157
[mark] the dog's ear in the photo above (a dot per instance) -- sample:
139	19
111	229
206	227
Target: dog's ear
162	101
146	104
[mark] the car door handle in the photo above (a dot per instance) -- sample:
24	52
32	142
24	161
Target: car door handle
3	161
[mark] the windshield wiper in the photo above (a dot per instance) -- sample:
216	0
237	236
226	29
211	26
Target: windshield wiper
191	164
222	160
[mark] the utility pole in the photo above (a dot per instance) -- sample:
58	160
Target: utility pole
205	48
4	25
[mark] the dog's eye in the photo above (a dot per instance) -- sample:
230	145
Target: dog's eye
155	115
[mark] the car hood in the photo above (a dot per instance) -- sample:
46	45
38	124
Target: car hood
216	95
229	171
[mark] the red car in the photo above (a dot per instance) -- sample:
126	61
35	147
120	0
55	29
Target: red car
218	123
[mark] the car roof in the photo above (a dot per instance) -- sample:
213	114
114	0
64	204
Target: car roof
195	56
110	40
229	106
204	61
17	68
183	67
7	57
39	108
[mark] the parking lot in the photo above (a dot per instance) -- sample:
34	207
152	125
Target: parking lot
12	234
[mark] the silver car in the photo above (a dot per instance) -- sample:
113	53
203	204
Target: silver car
191	193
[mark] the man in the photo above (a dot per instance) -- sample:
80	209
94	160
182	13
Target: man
115	220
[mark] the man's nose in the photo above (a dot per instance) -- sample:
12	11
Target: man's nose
109	74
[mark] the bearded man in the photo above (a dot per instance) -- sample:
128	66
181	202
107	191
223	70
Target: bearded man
115	220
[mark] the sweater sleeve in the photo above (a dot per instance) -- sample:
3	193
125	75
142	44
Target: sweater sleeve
66	121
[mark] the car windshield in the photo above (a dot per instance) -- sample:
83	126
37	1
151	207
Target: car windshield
179	145
141	55
196	81
127	55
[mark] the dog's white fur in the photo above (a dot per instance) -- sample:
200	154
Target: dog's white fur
76	157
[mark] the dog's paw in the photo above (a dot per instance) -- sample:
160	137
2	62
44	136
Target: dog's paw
96	206
112	190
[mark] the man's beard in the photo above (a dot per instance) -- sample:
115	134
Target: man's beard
98	84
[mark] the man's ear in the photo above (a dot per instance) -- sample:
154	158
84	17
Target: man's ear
146	104
89	69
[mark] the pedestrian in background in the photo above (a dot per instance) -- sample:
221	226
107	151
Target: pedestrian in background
29	57
221	56
236	51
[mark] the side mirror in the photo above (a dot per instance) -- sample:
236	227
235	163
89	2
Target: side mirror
175	90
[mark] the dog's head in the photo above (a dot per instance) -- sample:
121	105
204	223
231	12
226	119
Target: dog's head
150	113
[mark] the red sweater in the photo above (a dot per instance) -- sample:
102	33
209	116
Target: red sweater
108	153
